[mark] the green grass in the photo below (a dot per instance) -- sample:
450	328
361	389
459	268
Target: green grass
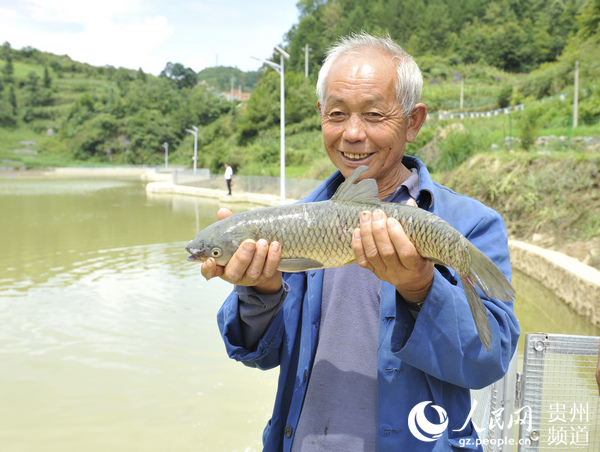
21	70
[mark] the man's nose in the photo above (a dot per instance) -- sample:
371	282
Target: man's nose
355	129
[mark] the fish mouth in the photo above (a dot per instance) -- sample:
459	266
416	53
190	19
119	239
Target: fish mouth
194	254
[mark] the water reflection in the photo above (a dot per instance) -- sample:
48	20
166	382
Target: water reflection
109	339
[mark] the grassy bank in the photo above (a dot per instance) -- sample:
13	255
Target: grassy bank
551	199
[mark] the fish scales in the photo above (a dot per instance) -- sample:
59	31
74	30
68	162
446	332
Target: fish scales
322	231
319	235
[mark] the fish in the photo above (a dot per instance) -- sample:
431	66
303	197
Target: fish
318	235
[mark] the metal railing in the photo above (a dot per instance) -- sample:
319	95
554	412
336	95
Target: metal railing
560	393
553	405
493	407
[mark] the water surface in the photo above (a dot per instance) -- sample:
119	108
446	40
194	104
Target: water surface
108	338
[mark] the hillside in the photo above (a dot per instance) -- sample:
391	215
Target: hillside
549	199
221	78
507	52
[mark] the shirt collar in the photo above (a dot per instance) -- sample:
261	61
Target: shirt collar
407	189
426	185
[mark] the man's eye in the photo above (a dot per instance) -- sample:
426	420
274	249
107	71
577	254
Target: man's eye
374	115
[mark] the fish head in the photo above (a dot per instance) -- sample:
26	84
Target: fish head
217	241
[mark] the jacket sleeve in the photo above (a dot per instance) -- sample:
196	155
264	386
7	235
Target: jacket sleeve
443	341
239	322
265	352
257	311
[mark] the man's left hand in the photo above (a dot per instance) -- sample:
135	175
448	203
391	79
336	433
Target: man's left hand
382	246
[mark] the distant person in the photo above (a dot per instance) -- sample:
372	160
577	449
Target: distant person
228	177
361	348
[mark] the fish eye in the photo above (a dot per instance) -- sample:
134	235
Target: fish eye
216	252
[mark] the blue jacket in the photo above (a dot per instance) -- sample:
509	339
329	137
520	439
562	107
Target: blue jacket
436	357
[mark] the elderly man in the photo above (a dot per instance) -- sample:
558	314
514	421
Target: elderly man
366	350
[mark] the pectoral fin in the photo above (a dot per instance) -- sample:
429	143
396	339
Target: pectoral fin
299	265
302	265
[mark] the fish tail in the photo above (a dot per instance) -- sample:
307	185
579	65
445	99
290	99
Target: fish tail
488	277
479	312
484	273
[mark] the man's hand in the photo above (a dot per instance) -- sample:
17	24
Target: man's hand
382	246
253	264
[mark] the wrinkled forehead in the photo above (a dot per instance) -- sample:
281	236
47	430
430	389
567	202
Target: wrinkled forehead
360	76
363	61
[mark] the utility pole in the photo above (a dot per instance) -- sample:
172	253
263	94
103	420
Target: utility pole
576	95
306	50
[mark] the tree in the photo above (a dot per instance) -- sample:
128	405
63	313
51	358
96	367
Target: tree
262	110
12	99
8	70
37	95
7	118
141	75
589	19
47	79
6	51
184	77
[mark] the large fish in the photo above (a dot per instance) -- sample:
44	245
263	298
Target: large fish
318	235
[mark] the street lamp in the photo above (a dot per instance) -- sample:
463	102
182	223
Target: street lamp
306	50
166	146
195	133
279	68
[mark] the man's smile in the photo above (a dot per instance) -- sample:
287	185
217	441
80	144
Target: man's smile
355	156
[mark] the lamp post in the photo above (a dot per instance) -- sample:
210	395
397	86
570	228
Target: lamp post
306	50
195	133
166	146
279	68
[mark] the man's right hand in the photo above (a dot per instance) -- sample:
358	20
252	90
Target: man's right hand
253	264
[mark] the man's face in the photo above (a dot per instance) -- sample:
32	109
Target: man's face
362	121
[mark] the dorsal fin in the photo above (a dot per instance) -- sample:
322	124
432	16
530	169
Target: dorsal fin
365	191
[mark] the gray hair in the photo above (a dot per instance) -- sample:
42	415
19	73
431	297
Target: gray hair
409	81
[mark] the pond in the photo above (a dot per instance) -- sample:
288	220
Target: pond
108	335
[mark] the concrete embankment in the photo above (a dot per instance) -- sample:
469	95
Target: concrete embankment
167	187
575	283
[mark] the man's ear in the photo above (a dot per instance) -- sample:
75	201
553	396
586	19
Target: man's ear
415	121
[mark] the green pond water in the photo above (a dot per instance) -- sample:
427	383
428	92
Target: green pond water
108	336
